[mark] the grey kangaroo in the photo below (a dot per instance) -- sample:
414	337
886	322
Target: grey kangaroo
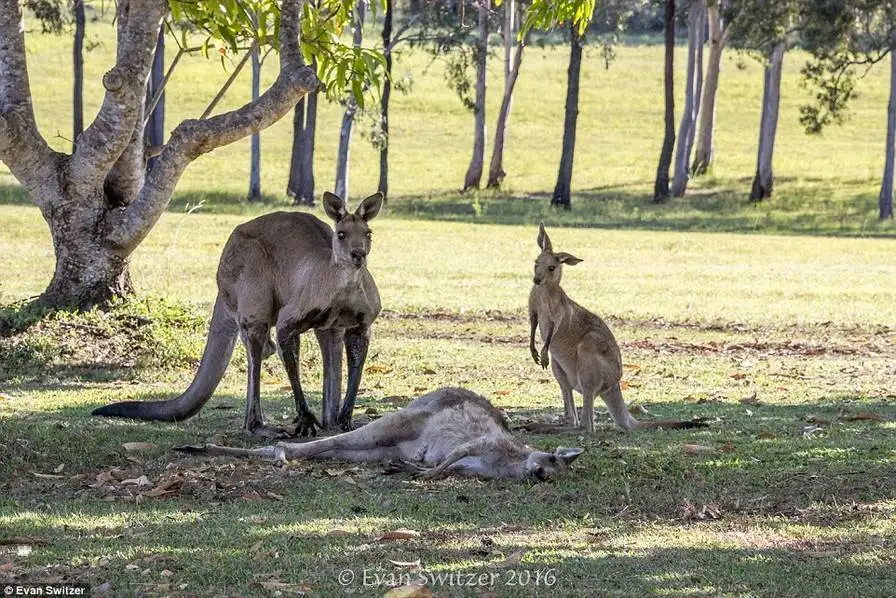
578	345
290	271
450	430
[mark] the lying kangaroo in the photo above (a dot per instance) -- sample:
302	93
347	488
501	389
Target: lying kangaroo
287	270
450	430
585	355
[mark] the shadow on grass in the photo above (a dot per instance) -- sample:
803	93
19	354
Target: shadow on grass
806	206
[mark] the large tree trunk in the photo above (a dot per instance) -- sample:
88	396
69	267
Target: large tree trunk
78	71
99	202
301	165
348	118
763	181
474	171
718	37
563	188
661	185
155	127
383	186
885	200
689	114
512	62
255	151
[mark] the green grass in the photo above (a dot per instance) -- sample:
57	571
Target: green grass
704	319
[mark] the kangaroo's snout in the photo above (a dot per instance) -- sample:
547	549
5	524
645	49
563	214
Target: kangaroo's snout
358	257
536	280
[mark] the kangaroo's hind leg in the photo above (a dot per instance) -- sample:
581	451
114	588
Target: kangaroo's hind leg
569	404
254	334
289	353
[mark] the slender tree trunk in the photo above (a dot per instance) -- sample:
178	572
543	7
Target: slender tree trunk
513	59
383	186
885	200
301	165
255	153
763	181
661	185
698	86
562	190
474	171
348	118
155	127
718	37
689	114
78	69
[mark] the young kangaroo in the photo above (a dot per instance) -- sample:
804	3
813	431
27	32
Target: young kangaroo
450	430
578	345
290	271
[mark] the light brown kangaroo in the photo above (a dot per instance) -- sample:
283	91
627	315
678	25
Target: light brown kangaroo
450	430
290	271
578	345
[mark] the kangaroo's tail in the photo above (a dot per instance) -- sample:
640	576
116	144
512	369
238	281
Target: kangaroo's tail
620	414
222	334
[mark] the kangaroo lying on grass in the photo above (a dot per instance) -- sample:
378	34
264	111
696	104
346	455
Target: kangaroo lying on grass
287	270
450	430
578	345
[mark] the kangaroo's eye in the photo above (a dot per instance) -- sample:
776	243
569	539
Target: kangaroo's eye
551	268
341	235
540	474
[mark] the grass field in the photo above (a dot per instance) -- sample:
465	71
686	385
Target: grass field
785	343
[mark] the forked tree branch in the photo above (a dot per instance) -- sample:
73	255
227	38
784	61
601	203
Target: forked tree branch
100	146
192	138
22	148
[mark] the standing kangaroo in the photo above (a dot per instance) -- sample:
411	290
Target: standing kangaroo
578	345
450	430
290	271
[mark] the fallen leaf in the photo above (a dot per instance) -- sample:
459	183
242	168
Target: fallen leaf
502	393
738	376
399	534
377	369
862	416
412	565
339	533
47	476
409	591
166	573
820	421
59	468
751	400
624	385
429	372
139	482
273	495
137	446
696	449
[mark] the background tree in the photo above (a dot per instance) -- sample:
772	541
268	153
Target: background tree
155	119
477	161
693	82
100	202
348	115
846	38
661	184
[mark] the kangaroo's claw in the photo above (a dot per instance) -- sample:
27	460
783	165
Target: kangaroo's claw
307	424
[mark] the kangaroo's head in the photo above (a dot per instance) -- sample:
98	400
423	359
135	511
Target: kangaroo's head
351	241
549	265
546	466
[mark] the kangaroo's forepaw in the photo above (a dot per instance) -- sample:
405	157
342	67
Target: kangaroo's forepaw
306	424
345	424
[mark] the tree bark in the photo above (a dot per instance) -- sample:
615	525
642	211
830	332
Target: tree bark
298	152
383	185
155	127
718	38
562	190
661	185
255	151
301	166
513	59
78	71
763	181
341	185
689	113
885	199
99	203
477	162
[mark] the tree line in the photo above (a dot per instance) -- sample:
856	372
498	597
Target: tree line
101	199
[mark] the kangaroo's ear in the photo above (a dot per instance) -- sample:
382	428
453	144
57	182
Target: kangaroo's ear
334	206
370	207
544	241
568	455
568	258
